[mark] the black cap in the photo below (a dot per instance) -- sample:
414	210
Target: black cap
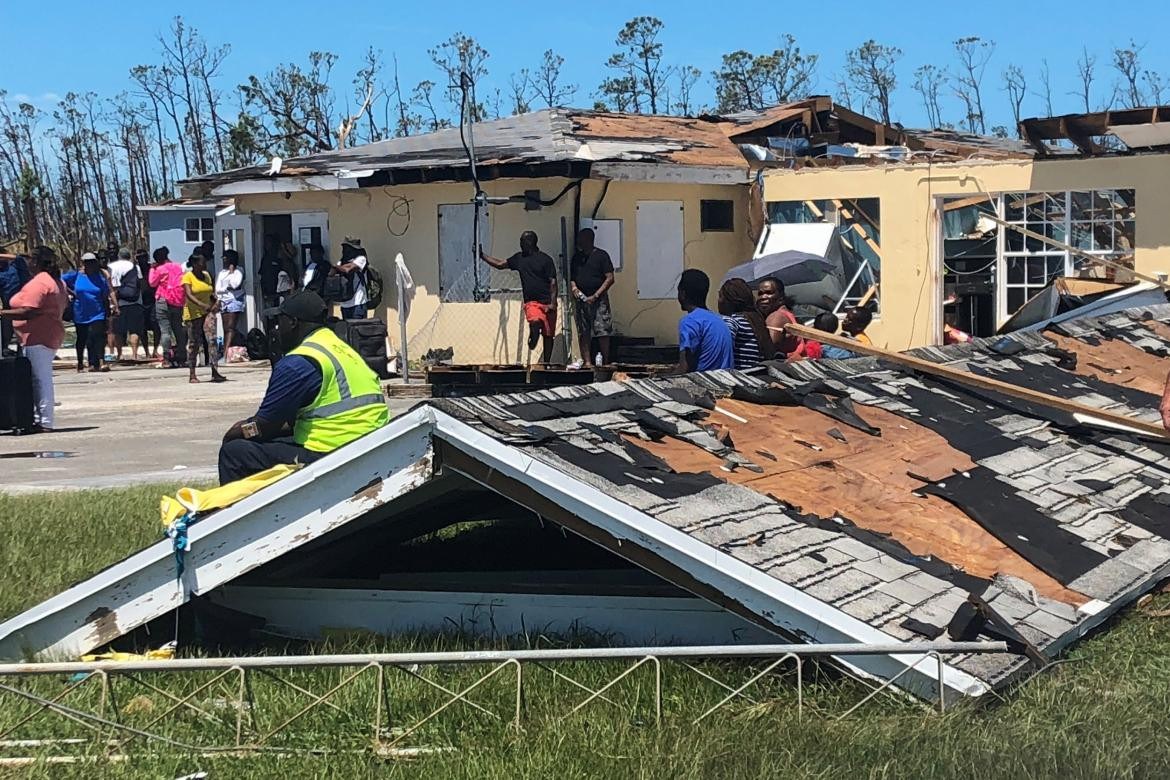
306	306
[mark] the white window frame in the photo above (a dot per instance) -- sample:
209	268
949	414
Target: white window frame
1069	263
204	229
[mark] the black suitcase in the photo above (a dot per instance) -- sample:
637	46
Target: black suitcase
16	395
368	339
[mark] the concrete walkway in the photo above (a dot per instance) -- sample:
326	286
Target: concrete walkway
133	425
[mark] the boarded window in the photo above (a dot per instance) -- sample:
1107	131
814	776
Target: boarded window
659	227
716	216
462	276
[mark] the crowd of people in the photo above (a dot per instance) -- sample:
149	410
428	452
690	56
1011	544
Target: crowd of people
148	307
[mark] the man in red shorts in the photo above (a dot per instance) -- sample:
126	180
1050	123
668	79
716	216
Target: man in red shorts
538	282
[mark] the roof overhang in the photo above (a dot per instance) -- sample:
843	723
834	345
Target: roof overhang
343	180
216	207
663	173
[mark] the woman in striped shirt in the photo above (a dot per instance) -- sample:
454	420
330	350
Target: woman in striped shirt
749	332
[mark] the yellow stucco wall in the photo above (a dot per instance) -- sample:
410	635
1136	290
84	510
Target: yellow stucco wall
911	267
493	331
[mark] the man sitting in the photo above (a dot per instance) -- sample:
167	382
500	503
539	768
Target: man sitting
321	396
704	341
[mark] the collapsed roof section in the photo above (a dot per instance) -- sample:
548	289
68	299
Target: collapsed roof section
832	501
605	144
1137	129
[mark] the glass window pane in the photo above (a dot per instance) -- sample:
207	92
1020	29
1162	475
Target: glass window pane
208	224
1016	297
192	236
1036	271
1015	270
1013	210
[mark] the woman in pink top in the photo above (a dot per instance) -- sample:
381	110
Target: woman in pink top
36	311
166	277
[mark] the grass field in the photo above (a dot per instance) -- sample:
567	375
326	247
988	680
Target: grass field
1102	714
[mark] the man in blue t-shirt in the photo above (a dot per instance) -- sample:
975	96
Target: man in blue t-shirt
704	341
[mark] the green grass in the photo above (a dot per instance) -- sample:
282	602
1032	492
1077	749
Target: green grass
1102	714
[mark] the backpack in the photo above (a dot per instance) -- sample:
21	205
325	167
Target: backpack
128	287
374	287
337	288
257	344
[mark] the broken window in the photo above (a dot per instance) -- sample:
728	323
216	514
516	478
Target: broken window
992	270
853	250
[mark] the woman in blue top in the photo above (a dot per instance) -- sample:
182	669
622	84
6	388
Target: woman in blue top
93	304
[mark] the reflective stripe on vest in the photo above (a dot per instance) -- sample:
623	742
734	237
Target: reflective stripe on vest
337	416
348	401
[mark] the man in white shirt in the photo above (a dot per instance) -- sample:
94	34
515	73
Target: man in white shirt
126	282
353	265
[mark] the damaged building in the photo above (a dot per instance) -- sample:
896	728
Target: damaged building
821	501
946	221
662	193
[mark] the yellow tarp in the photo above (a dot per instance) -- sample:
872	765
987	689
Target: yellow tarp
164	653
188	500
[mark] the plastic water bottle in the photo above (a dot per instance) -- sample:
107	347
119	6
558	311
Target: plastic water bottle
597	361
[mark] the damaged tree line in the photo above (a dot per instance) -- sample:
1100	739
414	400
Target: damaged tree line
74	175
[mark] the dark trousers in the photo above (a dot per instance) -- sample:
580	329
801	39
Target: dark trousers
91	338
6	330
354	312
244	457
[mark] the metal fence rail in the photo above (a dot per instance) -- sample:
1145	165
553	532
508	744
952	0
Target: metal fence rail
233	725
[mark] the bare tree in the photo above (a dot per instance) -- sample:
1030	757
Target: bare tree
296	104
423	97
519	86
207	67
788	74
928	80
405	122
747	81
1086	72
842	90
366	90
1016	85
643	75
973	53
1045	92
546	82
687	76
1156	85
461	54
738	83
181	50
1127	63
870	69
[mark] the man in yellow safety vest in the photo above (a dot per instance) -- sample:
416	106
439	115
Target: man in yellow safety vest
321	396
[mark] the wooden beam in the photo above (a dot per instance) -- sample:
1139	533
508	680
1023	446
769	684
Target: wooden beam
865	299
858	228
981	382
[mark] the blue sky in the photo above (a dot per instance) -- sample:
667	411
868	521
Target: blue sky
82	45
